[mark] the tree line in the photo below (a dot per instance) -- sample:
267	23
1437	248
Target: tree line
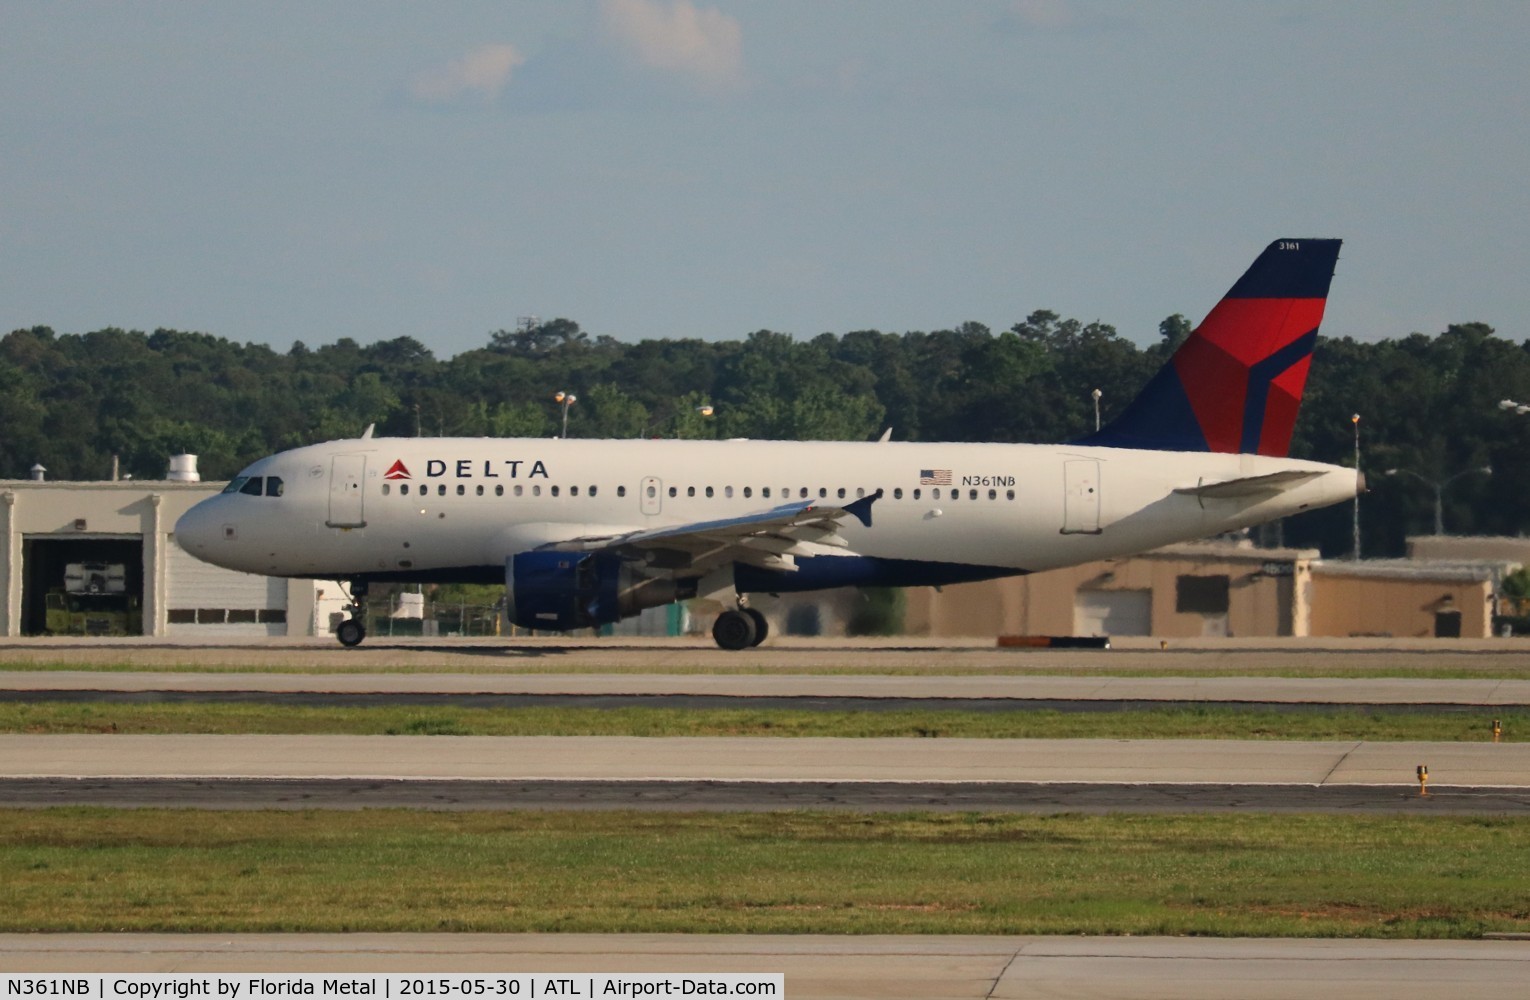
1427	404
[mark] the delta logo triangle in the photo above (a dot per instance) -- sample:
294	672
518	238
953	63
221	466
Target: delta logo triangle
398	470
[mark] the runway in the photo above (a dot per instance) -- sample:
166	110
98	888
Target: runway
867	691
748	796
760	772
244	772
847	968
781	655
234	772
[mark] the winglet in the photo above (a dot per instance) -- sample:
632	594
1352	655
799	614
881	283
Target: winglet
862	508
1236	384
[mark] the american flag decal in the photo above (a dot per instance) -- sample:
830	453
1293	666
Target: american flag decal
934	477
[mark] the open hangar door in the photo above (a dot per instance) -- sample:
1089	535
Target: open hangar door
82	586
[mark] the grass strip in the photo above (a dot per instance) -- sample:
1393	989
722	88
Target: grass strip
1203	722
789	873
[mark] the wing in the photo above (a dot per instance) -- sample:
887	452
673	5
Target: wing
768	538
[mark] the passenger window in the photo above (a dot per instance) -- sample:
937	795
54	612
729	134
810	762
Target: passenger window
441	490
916	493
804	492
935	493
993	494
860	491
1009	494
972	495
709	491
519	489
621	491
765	493
822	493
592	491
499	491
841	492
252	487
728	492
898	493
274	486
652	492
536	491
461	490
673	491
236	484
555	491
690	491
386	489
478	490
748	493
573	491
403	489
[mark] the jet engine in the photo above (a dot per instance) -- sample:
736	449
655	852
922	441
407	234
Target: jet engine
565	590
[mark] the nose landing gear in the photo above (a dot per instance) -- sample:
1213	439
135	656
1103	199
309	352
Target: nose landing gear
351	631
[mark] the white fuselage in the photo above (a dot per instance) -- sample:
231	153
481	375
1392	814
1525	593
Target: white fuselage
445	508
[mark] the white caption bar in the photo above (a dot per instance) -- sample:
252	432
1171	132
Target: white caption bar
394	986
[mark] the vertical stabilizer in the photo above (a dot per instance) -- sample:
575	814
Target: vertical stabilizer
1236	384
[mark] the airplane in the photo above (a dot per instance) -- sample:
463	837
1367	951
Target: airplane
587	532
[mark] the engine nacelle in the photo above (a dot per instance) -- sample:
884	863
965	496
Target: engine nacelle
568	590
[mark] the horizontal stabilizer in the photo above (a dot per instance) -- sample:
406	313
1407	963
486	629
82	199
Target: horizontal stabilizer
1250	486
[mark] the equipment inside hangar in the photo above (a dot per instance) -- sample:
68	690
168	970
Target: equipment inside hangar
99	558
81	586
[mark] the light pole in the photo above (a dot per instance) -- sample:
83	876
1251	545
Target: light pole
1095	395
565	400
1438	485
1509	404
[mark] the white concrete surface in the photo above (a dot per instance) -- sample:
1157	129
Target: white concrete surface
847	968
779	655
619	758
1286	690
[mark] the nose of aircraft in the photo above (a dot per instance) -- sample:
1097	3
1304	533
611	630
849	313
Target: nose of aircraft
198	529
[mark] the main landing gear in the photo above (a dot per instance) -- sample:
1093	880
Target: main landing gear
351	631
740	629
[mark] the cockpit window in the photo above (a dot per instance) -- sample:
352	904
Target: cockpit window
255	486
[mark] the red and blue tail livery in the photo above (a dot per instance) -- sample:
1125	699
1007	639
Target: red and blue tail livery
1236	384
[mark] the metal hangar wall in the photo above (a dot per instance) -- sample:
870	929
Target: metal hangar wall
99	558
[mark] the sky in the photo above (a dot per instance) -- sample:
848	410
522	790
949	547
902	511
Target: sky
296	171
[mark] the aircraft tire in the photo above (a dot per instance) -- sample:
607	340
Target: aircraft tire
733	630
350	632
761	625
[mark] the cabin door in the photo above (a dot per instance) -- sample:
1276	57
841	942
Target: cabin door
346	475
1081	497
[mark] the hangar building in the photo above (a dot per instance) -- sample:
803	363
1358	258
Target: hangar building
100	558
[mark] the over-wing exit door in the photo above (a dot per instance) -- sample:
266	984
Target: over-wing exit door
652	495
